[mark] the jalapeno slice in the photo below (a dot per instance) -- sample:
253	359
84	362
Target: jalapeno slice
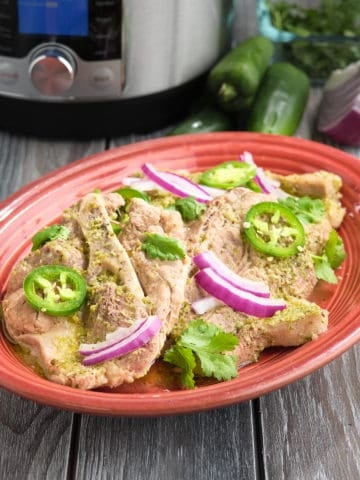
49	233
228	175
55	290
274	230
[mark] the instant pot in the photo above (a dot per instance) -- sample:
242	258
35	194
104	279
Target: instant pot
105	67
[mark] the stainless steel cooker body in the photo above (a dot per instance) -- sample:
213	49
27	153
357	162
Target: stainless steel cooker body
65	51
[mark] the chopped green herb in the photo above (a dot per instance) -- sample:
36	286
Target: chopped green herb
202	344
323	269
307	210
331	17
162	247
188	208
127	193
334	249
319	58
332	257
49	233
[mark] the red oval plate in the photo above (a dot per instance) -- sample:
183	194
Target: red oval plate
42	201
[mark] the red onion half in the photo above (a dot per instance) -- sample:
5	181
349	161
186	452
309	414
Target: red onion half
235	298
339	110
121	341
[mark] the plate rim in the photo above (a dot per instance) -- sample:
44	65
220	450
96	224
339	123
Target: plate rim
172	402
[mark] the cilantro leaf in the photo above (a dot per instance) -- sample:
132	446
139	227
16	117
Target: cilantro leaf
162	247
320	57
308	210
323	269
206	342
221	367
333	255
334	249
128	193
185	359
189	208
208	337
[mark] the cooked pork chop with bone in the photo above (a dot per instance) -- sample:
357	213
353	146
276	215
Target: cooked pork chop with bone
125	285
289	278
116	297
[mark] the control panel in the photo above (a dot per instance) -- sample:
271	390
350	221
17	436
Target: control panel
61	49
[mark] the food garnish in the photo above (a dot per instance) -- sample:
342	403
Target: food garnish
307	210
265	183
127	193
55	290
121	341
176	184
49	233
332	257
274	230
209	259
201	346
162	247
228	175
189	208
236	298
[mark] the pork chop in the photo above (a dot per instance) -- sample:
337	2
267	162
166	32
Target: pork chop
115	297
220	230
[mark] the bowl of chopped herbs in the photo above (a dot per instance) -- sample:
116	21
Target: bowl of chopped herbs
318	36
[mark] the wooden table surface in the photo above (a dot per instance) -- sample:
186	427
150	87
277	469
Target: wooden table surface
309	430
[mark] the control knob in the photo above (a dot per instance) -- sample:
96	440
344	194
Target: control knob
52	71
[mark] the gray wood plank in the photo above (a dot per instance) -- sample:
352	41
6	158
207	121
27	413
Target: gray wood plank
216	445
310	429
211	445
35	440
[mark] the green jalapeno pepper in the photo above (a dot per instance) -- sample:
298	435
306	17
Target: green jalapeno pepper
235	79
49	233
280	100
55	290
228	175
274	230
208	119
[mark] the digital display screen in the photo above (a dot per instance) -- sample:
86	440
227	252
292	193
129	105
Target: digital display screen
53	17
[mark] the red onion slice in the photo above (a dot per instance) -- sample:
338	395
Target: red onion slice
213	192
235	298
141	184
205	304
209	259
112	338
267	185
176	184
138	336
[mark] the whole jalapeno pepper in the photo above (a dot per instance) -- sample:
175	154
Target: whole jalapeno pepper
55	289
280	101
234	80
274	230
207	119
